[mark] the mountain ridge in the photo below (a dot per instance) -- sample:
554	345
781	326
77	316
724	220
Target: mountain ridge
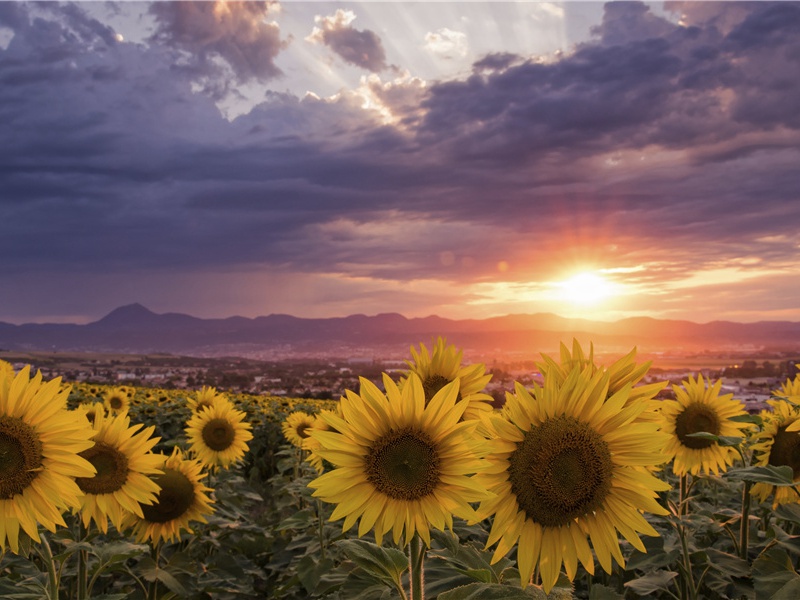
136	329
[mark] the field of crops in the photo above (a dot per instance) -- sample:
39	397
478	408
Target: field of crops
585	487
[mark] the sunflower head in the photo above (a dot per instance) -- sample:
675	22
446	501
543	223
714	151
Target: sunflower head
442	366
778	444
297	427
218	435
122	457
401	464
311	443
204	398
699	407
116	400
182	499
40	446
570	460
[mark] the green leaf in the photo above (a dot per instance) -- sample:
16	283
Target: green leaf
780	476
722	440
603	592
482	575
789	512
492	591
114	552
302	519
773	571
652	582
152	572
309	571
387	564
754	419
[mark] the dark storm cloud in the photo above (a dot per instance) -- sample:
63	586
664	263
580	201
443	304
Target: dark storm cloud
362	48
236	32
651	141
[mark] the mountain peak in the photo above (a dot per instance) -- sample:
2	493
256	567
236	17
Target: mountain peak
129	314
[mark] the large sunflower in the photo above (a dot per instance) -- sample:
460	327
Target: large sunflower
218	435
182	499
116	400
297	426
442	366
401	464
570	462
124	462
778	444
697	408
40	442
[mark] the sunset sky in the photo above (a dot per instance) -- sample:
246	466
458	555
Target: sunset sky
464	159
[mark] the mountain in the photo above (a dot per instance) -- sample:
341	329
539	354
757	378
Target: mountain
137	330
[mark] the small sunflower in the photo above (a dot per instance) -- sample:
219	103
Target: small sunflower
402	464
568	462
442	366
124	462
40	442
182	499
116	400
790	389
778	444
621	373
204	398
218	435
91	410
296	427
696	408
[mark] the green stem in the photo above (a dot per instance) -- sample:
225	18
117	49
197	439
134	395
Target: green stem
320	529
83	560
153	592
683	495
52	577
687	564
417	569
744	526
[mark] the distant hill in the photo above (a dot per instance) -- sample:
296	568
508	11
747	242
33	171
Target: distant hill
136	329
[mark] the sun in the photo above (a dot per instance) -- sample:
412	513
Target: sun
585	289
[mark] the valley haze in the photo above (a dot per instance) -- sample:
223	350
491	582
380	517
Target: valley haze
134	329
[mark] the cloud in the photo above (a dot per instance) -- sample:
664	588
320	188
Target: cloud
361	48
676	149
446	43
238	33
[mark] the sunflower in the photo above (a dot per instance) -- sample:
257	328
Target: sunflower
296	427
568	461
312	444
778	444
91	410
40	442
6	369
116	400
790	389
442	366
182	499
218	435
401	464
621	373
698	407
204	398
124	461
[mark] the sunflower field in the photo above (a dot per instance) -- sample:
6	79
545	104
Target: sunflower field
588	485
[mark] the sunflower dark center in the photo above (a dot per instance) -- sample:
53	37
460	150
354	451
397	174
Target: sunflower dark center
115	402
403	464
560	471
786	450
433	384
219	434
111	466
20	456
695	418
302	430
174	499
